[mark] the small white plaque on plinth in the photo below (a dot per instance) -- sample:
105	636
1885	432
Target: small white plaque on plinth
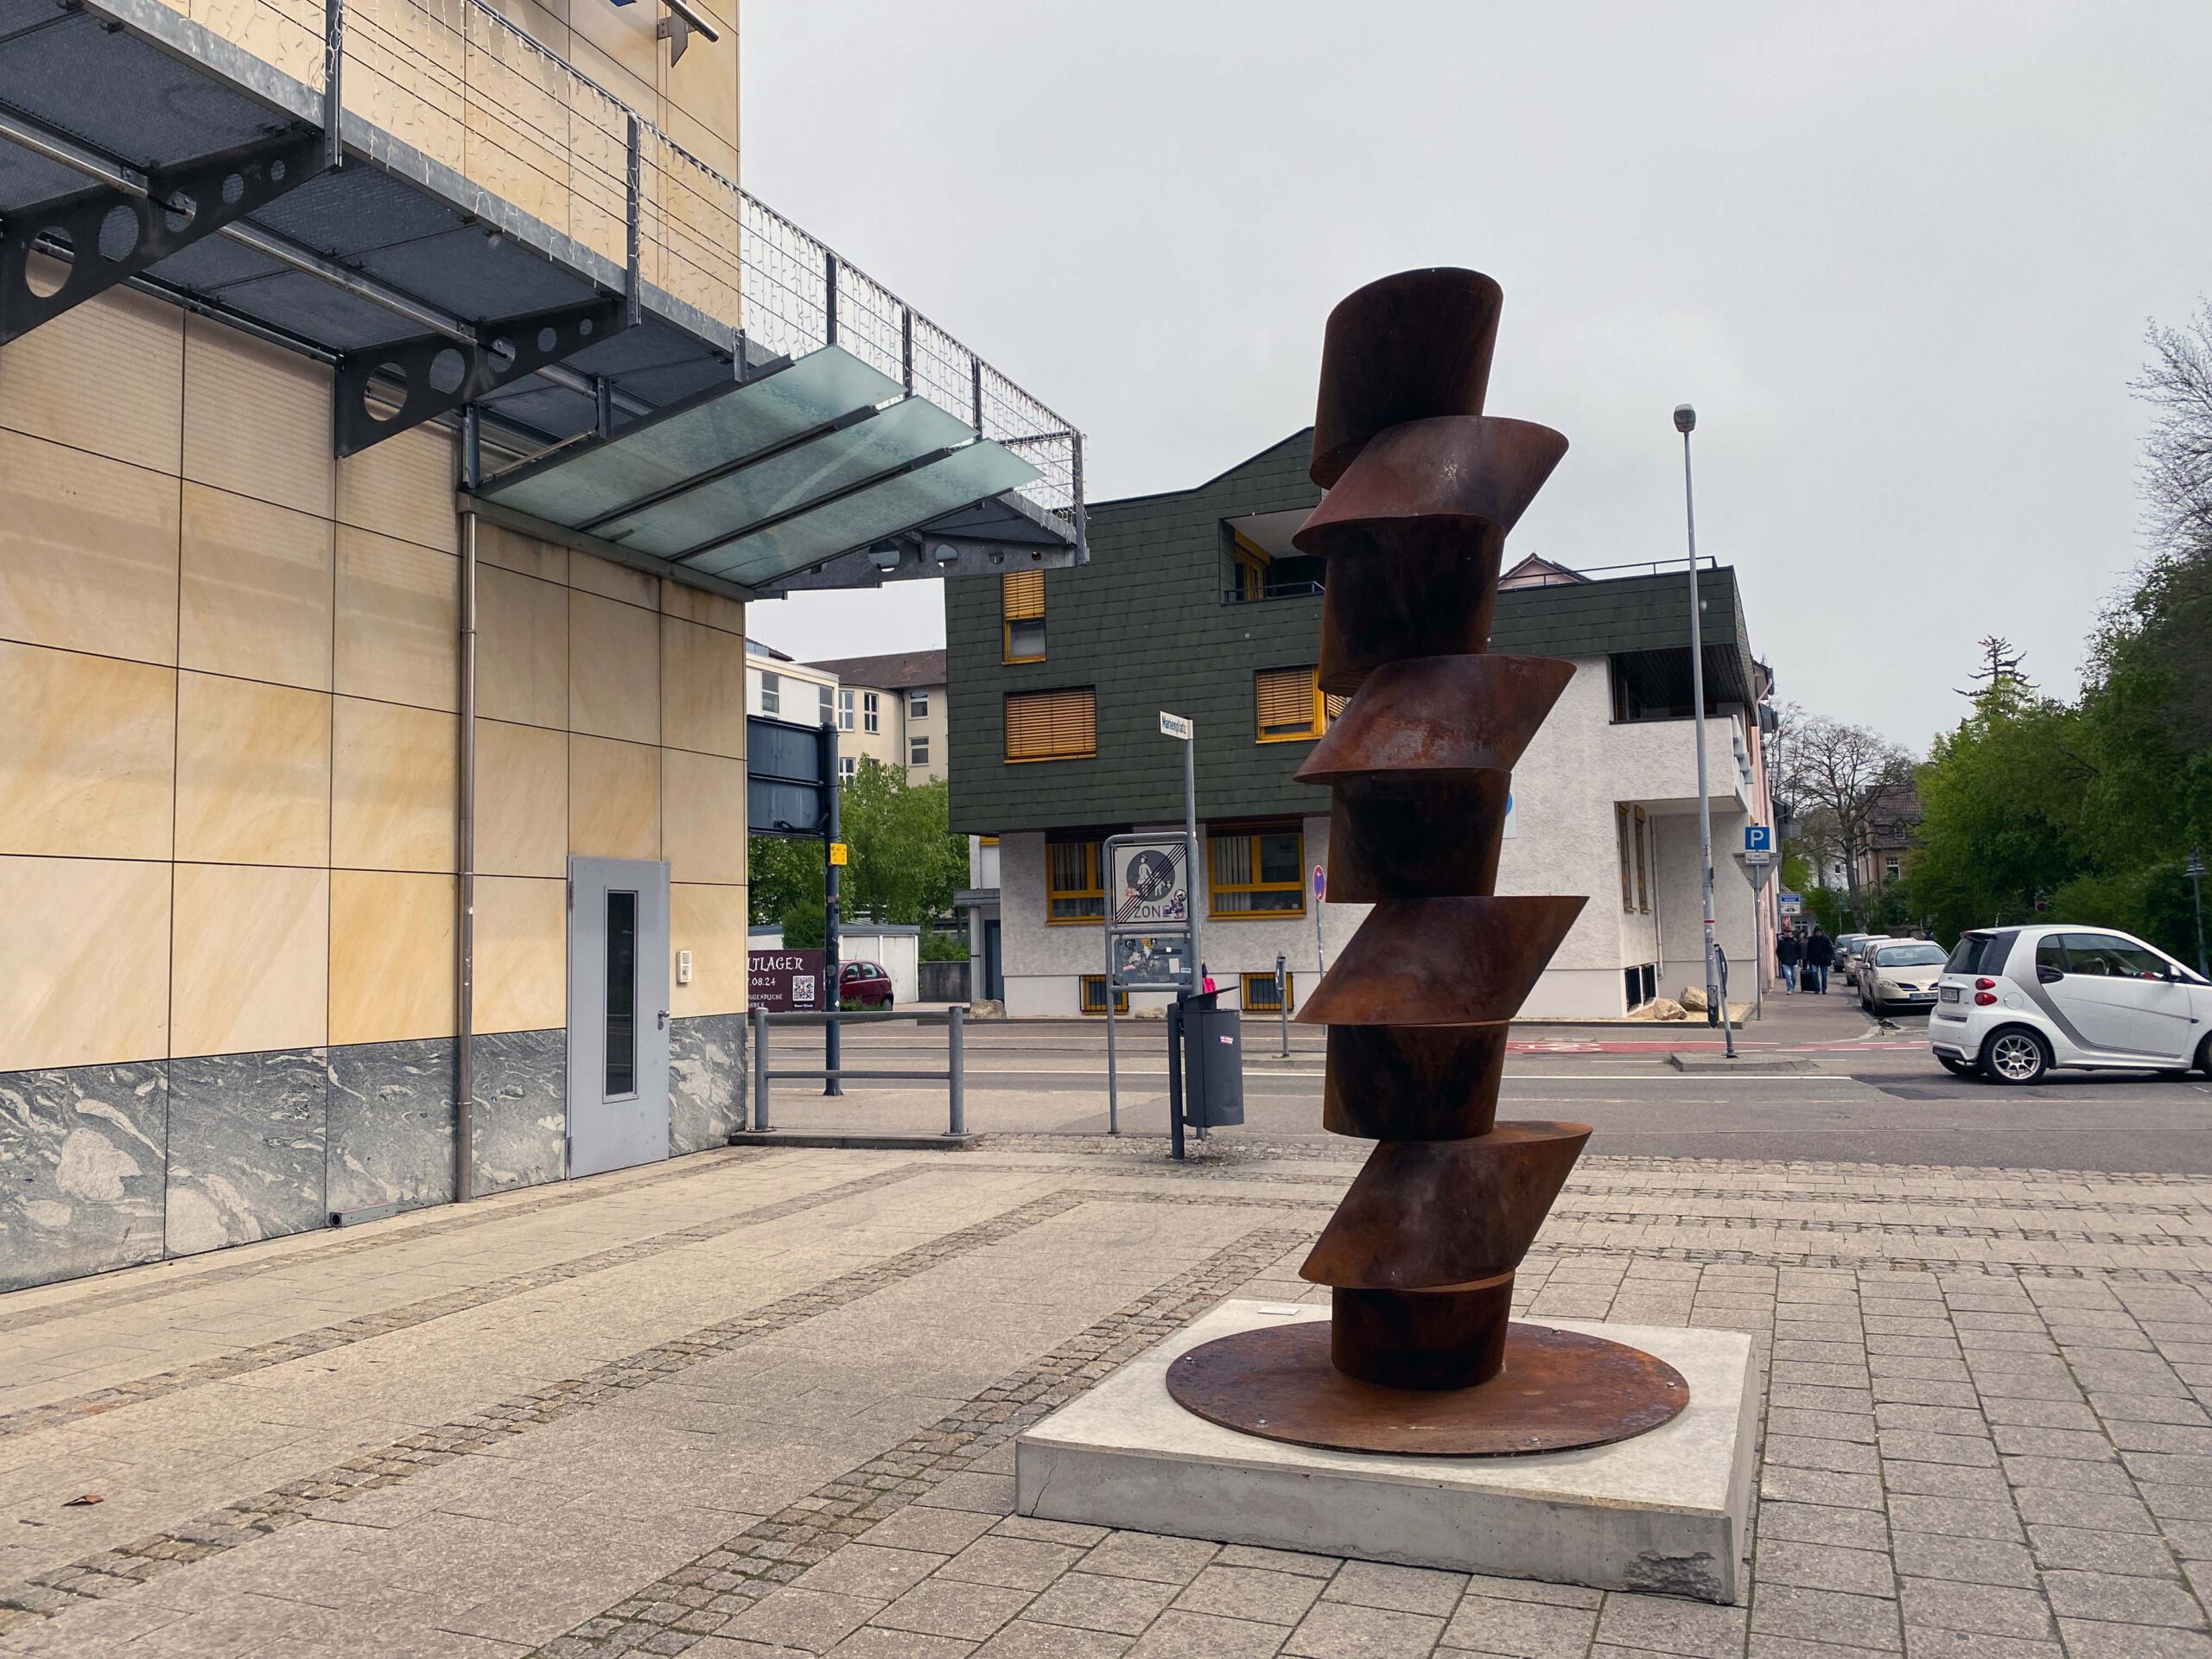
1666	1511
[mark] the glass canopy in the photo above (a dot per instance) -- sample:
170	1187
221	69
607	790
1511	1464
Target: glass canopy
755	482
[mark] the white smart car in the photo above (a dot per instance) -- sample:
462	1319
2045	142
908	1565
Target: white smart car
2012	1002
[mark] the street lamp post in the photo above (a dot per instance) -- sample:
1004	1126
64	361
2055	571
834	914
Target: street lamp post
1716	1006
2195	873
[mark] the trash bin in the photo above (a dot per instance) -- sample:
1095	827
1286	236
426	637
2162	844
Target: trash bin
1213	1063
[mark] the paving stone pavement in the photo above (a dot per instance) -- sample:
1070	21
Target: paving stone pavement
765	1402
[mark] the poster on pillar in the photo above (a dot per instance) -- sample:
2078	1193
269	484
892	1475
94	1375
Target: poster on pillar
783	981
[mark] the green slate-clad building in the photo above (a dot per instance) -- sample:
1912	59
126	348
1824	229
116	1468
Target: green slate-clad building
1196	601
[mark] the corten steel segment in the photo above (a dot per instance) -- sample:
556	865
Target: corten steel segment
1421	1355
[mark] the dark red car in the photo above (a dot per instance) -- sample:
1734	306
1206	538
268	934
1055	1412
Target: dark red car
868	983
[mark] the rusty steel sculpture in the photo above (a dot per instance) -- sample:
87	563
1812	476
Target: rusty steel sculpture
1421	1355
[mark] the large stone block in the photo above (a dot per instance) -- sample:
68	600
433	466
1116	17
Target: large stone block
1668	1510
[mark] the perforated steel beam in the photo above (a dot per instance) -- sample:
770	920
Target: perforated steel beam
433	374
124	226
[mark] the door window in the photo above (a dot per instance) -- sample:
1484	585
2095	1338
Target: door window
2051	958
621	994
2109	956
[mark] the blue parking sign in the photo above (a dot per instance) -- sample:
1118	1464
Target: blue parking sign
1758	837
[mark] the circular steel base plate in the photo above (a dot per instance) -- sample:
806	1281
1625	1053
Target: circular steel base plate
1560	1389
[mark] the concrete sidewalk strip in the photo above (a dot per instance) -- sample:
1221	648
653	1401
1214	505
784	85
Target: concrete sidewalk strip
785	1424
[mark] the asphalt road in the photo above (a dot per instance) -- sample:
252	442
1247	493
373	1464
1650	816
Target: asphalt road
1870	1095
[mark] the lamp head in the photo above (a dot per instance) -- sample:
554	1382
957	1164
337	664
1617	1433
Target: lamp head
1685	418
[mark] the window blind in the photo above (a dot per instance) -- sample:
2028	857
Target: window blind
1052	725
1285	699
1023	595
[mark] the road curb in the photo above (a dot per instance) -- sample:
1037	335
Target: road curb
856	1142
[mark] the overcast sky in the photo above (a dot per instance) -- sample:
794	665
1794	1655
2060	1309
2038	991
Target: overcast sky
1901	257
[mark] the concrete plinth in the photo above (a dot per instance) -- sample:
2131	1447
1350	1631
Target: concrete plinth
1664	1511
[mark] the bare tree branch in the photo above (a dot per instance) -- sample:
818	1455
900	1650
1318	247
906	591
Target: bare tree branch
2177	454
1845	772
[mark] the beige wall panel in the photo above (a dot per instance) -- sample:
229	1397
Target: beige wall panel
251	958
618	49
702	817
252	773
613	799
87	551
614	670
704	86
547	25
516	101
711	924
701	140
611	581
394	782
522	954
524	555
84	962
391	957
258	584
522	800
106	376
697	605
288	35
702	688
599	149
521	649
403	68
87	747
402	487
398	611
257	418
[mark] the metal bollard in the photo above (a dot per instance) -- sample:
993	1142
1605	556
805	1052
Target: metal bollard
956	1067
759	1070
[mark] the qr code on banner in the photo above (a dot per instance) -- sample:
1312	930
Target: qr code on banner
802	989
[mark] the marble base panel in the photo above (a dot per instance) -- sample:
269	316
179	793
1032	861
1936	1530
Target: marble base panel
521	1124
1667	1511
390	1124
707	1081
82	1155
245	1147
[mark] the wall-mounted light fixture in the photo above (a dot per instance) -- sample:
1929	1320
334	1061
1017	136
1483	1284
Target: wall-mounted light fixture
682	22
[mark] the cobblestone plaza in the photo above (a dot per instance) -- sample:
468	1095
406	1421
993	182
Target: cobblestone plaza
765	1402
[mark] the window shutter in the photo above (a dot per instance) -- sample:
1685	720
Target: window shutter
1052	725
1023	595
1285	700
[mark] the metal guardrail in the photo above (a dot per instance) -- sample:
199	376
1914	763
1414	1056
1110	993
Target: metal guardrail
954	1077
459	80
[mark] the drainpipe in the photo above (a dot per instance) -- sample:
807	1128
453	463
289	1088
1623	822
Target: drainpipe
464	1158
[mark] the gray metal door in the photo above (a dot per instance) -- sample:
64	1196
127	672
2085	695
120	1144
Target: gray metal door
618	1013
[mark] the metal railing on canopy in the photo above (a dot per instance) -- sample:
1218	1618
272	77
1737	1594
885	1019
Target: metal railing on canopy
462	83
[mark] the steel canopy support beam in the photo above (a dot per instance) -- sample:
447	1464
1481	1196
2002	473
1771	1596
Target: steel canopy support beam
436	375
116	231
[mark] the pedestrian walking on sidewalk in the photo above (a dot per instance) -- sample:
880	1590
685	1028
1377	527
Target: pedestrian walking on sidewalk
1788	953
1819	957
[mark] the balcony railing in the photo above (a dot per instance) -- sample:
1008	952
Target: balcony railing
471	91
1271	591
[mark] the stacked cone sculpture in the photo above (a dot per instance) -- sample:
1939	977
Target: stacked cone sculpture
1420	1354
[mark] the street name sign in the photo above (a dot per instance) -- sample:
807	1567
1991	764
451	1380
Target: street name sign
1174	726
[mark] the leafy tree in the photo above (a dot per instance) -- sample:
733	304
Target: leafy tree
787	888
904	863
2085	811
